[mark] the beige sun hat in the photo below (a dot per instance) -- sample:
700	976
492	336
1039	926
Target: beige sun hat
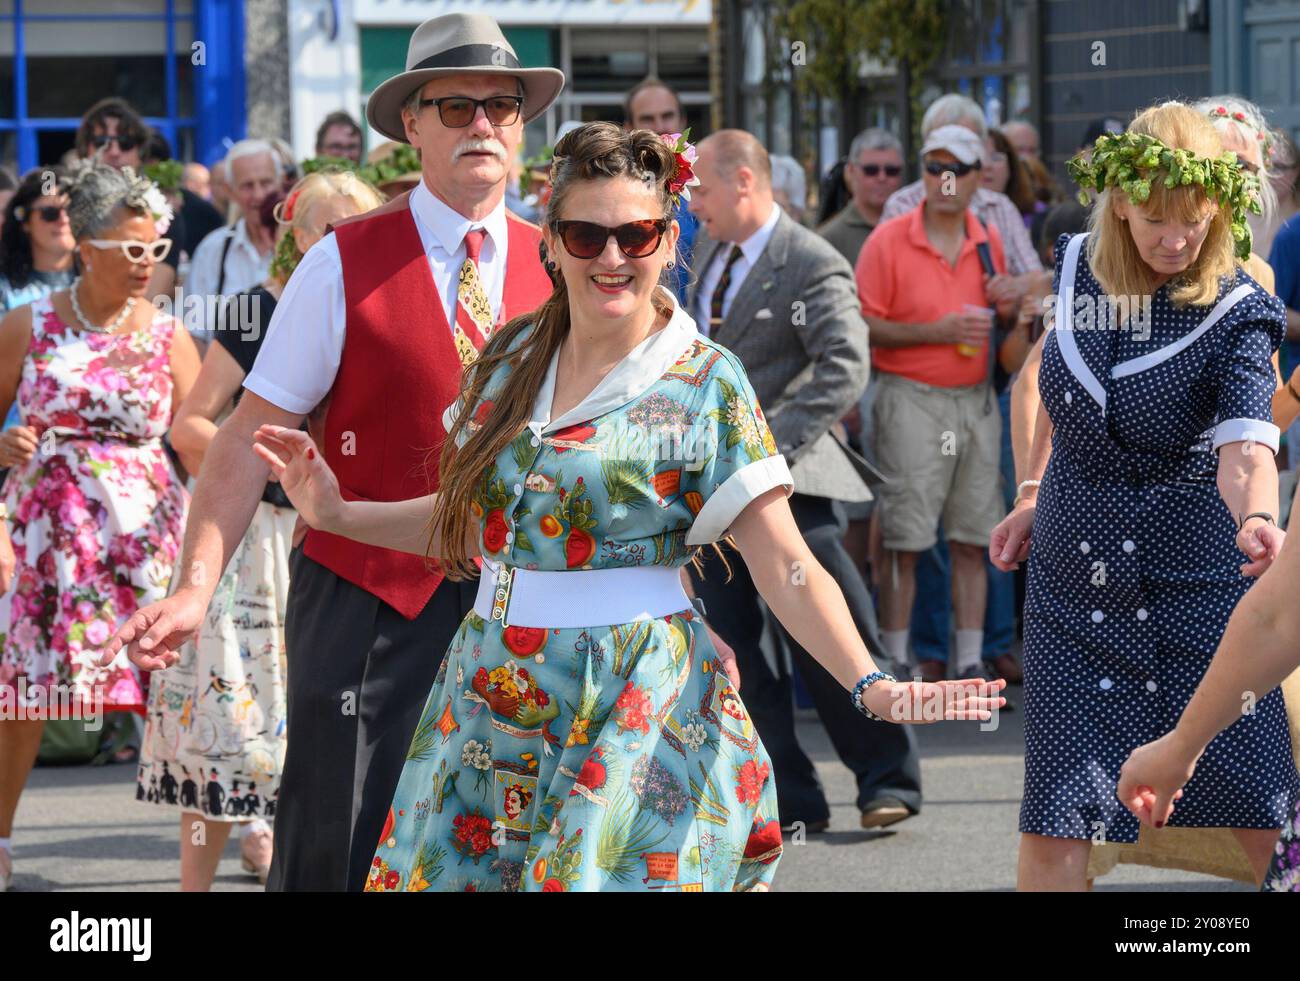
458	44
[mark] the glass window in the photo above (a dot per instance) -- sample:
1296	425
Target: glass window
69	62
158	7
608	60
683	59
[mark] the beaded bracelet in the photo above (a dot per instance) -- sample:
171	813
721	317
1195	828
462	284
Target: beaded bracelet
861	687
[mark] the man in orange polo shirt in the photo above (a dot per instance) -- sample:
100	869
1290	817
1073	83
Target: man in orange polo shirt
937	429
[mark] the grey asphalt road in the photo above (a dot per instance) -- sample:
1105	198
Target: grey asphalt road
80	828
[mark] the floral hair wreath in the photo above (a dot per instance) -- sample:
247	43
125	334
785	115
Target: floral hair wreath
1262	136
142	193
1131	161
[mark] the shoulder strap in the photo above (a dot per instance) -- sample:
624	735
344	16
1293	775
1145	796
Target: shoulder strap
221	265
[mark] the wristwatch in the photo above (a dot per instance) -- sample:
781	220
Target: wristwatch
1255	514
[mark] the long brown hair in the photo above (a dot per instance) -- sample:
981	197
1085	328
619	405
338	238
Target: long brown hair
1019	188
593	152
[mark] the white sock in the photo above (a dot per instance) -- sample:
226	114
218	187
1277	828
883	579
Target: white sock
970	647
247	828
895	644
5	846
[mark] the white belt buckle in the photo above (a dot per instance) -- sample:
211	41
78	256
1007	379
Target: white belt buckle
501	592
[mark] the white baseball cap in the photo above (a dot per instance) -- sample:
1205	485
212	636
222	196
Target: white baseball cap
957	140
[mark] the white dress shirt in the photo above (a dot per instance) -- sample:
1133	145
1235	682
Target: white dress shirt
750	250
299	358
245	267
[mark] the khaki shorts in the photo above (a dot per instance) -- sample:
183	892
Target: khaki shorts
940	449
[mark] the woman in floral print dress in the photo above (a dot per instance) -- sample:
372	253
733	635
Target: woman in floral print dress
96	514
581	734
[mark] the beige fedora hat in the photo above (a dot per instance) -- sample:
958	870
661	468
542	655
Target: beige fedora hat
458	44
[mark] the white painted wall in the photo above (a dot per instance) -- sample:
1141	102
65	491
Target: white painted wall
324	75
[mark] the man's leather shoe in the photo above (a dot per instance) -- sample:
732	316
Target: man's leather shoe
1009	668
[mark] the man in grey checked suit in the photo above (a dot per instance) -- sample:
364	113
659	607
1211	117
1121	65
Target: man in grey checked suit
785	302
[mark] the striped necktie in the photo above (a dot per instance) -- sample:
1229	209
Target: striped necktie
720	291
473	312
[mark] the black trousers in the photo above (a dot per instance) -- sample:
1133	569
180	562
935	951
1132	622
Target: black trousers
359	675
881	755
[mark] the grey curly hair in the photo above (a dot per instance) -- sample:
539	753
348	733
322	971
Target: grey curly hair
95	193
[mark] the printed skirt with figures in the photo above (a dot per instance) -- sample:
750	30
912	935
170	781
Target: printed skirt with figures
614	756
96	515
215	739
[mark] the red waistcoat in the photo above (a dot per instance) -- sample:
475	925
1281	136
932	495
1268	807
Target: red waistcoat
399	370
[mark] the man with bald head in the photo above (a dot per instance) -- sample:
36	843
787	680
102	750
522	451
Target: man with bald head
783	300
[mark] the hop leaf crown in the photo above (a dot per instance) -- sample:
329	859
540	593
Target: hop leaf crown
1132	161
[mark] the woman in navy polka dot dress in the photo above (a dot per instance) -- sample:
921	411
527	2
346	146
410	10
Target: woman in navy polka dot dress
1161	441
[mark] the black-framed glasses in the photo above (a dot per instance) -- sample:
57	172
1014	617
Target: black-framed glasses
873	170
124	143
938	168
636	239
458	111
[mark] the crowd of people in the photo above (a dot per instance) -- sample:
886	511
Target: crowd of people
621	431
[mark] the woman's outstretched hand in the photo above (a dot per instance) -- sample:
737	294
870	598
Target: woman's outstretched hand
306	478
1152	778
922	702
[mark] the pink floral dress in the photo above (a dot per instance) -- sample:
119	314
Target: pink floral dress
96	516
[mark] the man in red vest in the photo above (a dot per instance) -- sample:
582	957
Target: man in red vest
376	322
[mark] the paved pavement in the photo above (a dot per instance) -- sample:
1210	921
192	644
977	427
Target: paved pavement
80	828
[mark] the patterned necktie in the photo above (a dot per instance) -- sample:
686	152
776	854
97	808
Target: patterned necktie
473	312
720	291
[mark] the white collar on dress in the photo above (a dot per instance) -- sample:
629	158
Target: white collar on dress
447	227
630	378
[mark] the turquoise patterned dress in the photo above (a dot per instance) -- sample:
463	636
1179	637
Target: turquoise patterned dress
613	756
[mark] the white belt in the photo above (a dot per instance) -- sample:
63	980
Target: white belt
581	598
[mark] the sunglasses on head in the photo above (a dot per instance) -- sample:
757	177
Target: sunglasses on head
636	239
134	249
1247	165
938	168
873	170
124	143
458	111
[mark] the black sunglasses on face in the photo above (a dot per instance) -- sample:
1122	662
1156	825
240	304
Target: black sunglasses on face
873	170
636	239
51	213
124	143
938	168
458	111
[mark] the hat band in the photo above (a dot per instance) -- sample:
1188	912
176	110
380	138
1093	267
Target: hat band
485	56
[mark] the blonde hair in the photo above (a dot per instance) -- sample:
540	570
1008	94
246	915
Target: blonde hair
1112	253
295	210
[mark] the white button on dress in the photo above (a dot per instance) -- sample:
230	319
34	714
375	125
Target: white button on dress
1129	546
1085	548
1097	615
1105	684
1151	686
1142	614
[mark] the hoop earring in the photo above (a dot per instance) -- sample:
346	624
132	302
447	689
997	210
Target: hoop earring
671	263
